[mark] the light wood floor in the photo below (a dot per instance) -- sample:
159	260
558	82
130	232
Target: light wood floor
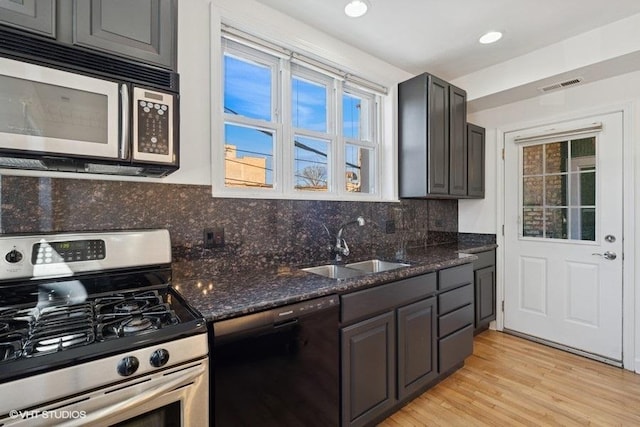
509	381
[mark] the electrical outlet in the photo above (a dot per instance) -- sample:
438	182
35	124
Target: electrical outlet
389	226
213	237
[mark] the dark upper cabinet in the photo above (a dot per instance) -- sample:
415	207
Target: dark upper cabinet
37	16
141	29
475	159
457	141
432	138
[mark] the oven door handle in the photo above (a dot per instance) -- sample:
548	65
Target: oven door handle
144	397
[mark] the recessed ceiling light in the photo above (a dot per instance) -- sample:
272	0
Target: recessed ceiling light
490	37
356	8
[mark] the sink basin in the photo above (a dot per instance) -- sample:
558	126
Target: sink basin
334	271
354	269
376	266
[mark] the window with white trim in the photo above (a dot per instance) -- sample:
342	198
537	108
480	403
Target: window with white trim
294	129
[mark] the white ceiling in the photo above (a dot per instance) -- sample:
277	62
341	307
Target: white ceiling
440	36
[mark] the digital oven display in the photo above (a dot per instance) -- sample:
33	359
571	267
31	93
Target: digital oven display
69	251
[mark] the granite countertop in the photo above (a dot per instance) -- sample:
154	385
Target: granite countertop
220	296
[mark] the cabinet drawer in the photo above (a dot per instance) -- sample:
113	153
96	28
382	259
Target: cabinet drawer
449	301
455	276
455	348
485	259
369	302
455	320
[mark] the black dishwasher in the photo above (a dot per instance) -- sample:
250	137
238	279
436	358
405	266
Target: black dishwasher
278	367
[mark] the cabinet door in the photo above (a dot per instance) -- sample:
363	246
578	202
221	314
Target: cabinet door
368	369
438	144
475	150
37	16
141	29
485	296
416	346
457	141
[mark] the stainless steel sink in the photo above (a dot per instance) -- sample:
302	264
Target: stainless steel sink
376	266
334	271
354	269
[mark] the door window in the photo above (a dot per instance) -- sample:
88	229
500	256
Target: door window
559	190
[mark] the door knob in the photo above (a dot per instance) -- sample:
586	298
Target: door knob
608	255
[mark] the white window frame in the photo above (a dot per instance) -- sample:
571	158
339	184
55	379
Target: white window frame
284	180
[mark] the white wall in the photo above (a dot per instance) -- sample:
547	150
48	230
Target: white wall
621	92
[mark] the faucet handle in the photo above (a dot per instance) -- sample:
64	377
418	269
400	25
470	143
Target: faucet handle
345	248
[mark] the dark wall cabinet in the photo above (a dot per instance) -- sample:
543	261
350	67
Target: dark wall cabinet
144	30
37	16
432	137
387	356
484	279
439	155
141	29
475	161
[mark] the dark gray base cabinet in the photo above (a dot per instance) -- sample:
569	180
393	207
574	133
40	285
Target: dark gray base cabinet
455	317
368	369
400	338
484	278
144	30
387	357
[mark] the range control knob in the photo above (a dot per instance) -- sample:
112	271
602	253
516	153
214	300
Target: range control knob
159	358
13	256
128	366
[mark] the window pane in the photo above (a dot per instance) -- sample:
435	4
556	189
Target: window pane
588	188
355	114
588	224
583	191
556	157
311	172
247	88
556	223
532	160
583	147
359	169
532	188
532	222
308	105
555	190
248	157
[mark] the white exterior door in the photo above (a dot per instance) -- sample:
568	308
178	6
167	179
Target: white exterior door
563	234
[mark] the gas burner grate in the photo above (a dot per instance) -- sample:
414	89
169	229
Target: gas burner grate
60	327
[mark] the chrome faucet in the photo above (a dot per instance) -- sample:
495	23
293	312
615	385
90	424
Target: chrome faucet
341	249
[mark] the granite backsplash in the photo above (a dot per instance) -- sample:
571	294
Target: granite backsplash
258	233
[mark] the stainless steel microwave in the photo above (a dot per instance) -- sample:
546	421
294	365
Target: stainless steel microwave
53	118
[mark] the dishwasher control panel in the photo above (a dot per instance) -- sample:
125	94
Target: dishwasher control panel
304	308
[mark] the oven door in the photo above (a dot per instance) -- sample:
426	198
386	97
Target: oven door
45	110
177	396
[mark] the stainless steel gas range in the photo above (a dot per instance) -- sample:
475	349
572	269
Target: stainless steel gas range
91	333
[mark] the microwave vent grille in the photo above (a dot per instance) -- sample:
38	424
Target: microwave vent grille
36	49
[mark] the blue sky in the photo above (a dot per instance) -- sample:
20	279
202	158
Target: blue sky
247	92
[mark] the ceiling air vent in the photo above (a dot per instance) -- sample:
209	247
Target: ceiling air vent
560	85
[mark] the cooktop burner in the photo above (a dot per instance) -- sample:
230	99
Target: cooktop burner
46	329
